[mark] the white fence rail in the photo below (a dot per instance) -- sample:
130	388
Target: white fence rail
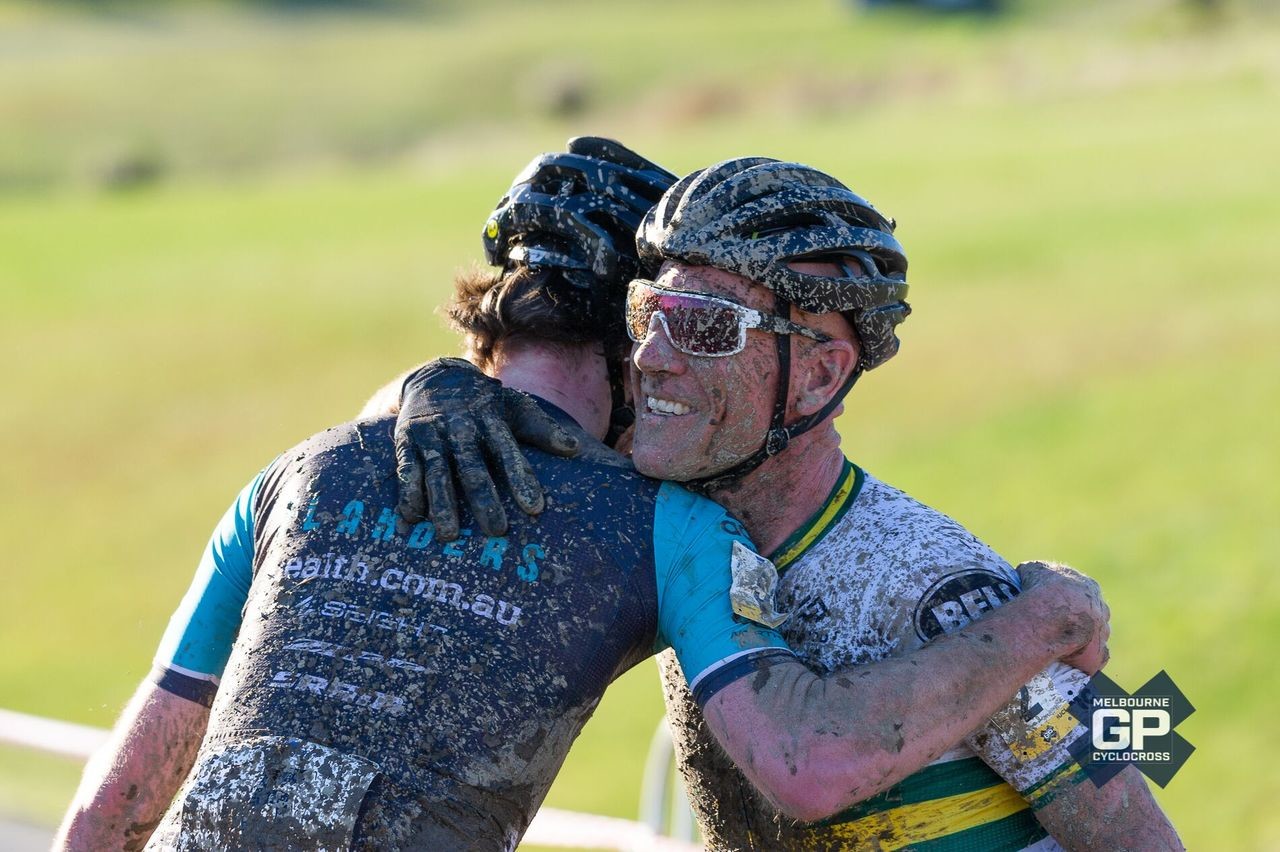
49	735
551	827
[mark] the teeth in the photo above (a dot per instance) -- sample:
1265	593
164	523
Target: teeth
666	406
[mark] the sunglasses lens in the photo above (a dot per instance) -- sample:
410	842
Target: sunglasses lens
698	328
642	303
697	325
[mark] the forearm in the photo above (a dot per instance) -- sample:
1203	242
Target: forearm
1120	815
130	782
817	745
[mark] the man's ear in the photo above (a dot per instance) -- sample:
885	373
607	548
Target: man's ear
822	372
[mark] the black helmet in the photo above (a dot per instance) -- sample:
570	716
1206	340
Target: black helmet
575	215
755	215
577	212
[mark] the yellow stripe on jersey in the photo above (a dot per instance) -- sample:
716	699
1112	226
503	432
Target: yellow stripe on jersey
904	826
1034	743
841	498
1047	790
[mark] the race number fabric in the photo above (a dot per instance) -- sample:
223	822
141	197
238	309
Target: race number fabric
462	670
876	574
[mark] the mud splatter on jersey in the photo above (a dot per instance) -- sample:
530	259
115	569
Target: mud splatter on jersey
876	574
389	690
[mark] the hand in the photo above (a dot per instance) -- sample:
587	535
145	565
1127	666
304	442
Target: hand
454	416
1082	616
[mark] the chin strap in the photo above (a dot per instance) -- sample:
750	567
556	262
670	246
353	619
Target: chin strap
623	416
779	435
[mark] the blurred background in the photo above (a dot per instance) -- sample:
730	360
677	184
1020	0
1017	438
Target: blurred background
222	226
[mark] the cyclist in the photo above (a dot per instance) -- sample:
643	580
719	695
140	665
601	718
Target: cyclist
776	287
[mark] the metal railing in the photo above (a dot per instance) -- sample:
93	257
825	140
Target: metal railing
551	826
664	805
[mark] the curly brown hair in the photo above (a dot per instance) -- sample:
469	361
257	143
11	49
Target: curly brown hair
491	307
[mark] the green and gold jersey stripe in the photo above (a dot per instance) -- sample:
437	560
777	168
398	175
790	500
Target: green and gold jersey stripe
1048	788
838	502
936	781
938	824
946	807
1013	833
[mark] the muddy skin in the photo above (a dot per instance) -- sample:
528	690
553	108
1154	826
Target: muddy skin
137	833
1130	803
724	424
131	818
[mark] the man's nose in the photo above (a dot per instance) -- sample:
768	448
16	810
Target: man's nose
656	353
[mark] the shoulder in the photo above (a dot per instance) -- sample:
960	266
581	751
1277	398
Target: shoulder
359	450
890	542
957	576
677	505
597	481
362	440
909	563
903	524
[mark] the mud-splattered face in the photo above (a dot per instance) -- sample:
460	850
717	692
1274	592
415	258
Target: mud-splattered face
696	416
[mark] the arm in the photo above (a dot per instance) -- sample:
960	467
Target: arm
1120	815
129	783
817	745
1032	743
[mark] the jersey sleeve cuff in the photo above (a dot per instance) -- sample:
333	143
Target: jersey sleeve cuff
184	683
721	673
1047	790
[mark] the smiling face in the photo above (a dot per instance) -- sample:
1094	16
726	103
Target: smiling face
697	416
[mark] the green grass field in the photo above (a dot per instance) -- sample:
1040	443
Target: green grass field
1090	200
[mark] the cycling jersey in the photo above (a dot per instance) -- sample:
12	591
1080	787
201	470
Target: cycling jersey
875	574
389	690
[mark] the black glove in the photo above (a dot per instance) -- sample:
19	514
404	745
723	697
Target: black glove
453	416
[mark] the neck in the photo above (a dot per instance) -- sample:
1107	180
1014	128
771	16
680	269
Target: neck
578	385
805	472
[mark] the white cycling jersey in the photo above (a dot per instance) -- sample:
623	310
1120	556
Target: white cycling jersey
876	574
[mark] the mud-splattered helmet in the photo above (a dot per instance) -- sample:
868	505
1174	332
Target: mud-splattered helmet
754	216
577	212
575	215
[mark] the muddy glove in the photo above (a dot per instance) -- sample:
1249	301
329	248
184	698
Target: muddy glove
452	416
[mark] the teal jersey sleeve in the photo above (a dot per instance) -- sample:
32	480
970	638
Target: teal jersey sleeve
693	542
201	632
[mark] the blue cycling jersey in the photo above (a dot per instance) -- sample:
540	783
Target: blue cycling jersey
690	536
450	676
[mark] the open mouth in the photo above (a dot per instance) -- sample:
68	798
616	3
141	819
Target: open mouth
665	407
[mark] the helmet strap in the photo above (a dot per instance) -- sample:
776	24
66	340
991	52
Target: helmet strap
622	416
779	435
777	438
